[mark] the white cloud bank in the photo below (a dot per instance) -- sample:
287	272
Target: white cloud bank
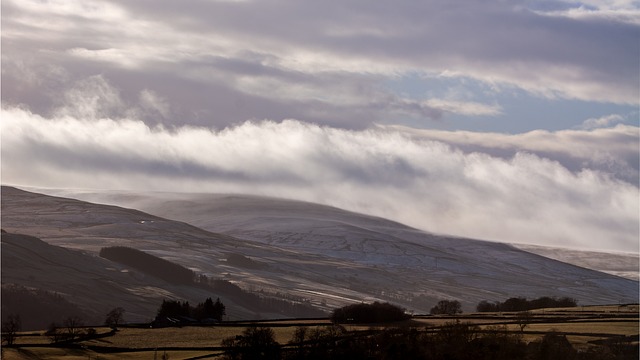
392	172
86	83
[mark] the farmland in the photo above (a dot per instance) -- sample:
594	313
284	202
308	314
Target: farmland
584	327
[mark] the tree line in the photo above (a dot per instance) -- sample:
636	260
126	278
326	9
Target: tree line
453	340
522	304
207	310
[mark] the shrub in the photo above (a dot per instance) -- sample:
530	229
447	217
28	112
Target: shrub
368	313
448	307
254	343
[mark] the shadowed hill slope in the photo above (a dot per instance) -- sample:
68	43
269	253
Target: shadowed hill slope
45	283
92	284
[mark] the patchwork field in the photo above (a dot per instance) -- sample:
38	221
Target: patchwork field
584	327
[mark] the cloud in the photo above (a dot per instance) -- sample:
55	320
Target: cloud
154	104
612	150
464	107
621	11
405	176
604	121
630	16
326	63
139	95
91	98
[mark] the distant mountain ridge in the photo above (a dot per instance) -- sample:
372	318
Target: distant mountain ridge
326	255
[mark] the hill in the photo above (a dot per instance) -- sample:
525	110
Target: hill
93	285
305	251
244	215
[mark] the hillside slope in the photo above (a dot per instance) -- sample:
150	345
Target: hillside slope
68	263
93	284
240	214
322	229
615	263
330	256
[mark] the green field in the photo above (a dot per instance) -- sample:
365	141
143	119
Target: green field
584	327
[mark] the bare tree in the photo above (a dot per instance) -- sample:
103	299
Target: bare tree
72	323
53	333
115	317
10	329
524	318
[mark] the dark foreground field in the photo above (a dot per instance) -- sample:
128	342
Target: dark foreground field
597	332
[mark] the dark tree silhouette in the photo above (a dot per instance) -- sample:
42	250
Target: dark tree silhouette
72	324
254	343
553	347
219	310
524	318
210	310
448	307
368	313
176	312
174	308
68	332
297	340
515	304
10	328
115	317
485	306
522	304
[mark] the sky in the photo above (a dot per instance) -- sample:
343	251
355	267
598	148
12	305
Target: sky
513	121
